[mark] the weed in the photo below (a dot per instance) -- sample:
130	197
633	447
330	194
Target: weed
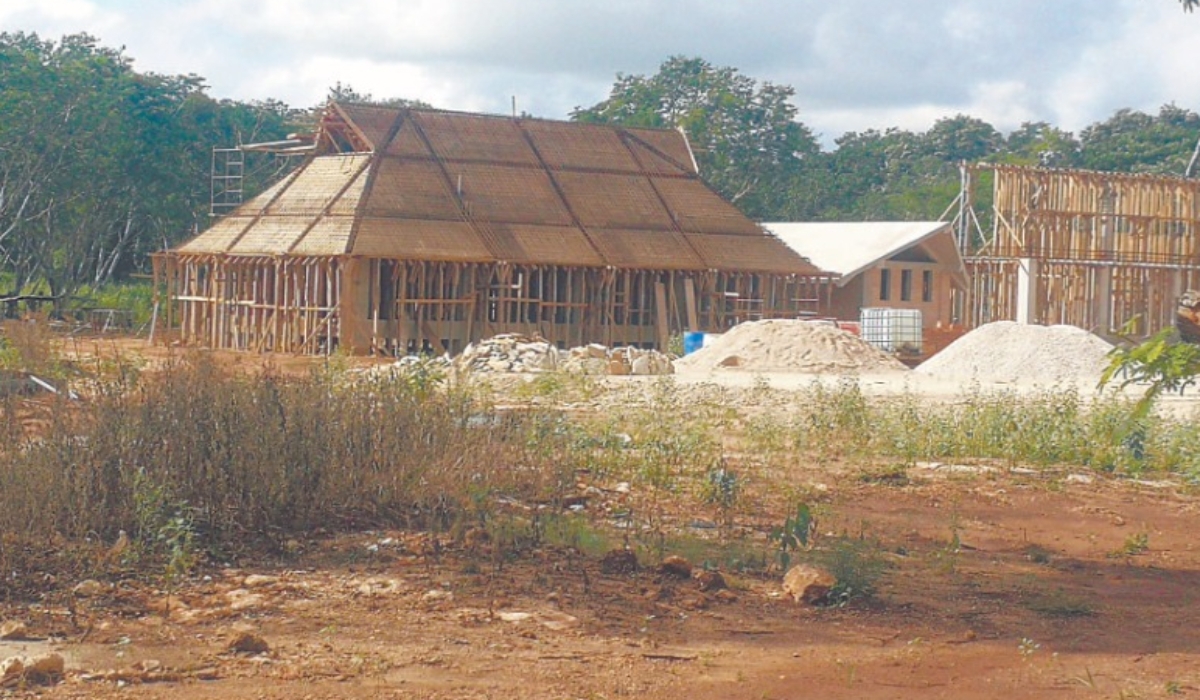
890	475
722	488
856	563
575	532
1038	554
794	534
1137	543
1060	604
1087	680
1027	648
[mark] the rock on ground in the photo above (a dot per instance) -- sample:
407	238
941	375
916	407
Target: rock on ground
808	584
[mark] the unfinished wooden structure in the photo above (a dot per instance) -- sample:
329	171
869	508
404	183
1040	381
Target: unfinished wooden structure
420	230
1102	251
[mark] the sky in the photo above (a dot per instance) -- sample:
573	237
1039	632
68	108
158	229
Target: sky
854	64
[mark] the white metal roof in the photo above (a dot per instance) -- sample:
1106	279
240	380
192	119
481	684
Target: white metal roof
848	248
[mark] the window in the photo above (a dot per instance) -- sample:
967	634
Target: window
906	285
885	284
927	286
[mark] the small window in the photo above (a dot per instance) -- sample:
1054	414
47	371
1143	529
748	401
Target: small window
885	284
927	286
906	285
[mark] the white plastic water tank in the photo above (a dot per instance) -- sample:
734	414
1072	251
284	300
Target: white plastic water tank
892	330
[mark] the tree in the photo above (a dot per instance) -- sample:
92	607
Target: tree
1040	144
744	133
1136	142
1189	5
100	164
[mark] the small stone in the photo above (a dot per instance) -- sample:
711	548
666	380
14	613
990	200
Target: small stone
11	667
693	602
808	584
709	580
259	580
1078	479
437	595
619	561
14	630
242	599
89	588
148	665
249	643
675	566
555	620
726	596
47	668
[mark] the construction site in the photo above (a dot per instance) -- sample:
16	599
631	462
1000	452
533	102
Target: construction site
473	406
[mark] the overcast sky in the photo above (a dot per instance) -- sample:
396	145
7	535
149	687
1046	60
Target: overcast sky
855	64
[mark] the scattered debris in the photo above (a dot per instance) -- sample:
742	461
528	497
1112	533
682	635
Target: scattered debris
517	353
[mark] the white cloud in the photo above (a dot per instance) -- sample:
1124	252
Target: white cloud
855	64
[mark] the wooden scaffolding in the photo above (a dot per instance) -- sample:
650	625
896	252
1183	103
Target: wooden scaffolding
1106	252
395	307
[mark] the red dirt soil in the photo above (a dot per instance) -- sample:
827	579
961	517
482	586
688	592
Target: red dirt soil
1000	584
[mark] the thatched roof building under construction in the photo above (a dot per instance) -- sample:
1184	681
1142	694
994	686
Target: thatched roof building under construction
409	230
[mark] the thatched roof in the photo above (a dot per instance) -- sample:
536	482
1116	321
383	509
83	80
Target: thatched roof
435	185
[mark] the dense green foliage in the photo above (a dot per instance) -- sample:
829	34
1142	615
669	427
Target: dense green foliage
745	134
100	164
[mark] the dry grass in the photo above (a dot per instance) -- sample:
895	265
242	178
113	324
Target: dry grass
197	464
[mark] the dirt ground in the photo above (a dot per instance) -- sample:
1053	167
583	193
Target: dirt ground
1001	582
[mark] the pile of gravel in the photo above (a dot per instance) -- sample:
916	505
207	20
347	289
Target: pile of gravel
789	346
1005	351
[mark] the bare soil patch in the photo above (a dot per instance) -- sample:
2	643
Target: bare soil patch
1000	582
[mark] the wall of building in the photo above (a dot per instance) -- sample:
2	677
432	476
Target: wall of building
933	299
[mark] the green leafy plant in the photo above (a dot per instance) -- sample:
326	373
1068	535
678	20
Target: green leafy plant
794	534
1135	544
1164	362
857	564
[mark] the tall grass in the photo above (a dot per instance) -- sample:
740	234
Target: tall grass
244	461
191	458
1055	426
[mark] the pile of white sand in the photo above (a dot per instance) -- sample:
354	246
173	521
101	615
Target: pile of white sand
789	346
1005	351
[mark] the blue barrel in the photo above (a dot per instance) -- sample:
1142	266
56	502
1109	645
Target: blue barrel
692	341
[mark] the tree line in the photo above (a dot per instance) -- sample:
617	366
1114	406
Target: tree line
750	146
101	164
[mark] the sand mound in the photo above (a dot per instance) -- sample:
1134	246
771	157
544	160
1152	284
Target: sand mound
789	346
1005	351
